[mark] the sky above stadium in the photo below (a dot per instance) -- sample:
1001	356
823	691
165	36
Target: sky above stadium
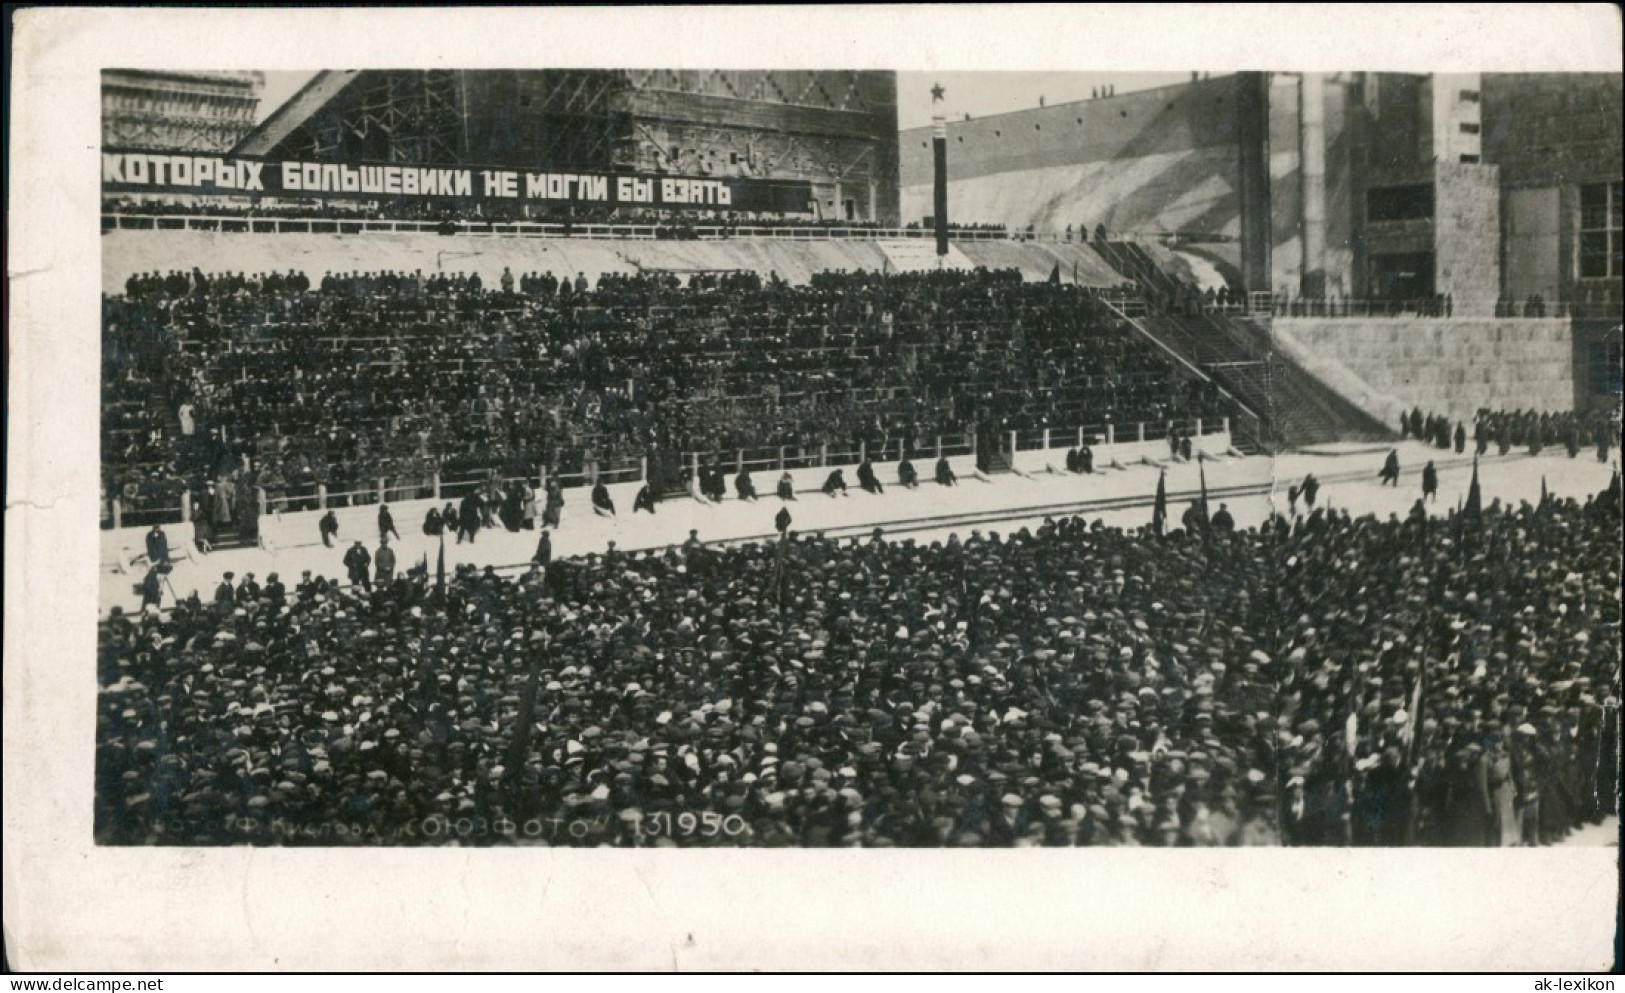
975	93
982	93
279	86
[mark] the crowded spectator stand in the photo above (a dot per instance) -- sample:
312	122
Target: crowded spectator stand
1330	680
379	386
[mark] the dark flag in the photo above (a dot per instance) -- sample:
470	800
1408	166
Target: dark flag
1074	272
519	745
1410	737
1055	275
1159	513
1202	472
440	569
427	685
1544	497
1475	499
1407	734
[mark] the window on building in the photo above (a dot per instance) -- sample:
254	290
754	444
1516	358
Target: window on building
1469	127
1469	159
1603	367
1399	203
1600	208
1468	96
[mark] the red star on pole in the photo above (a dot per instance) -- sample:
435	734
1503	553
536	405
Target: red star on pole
937	92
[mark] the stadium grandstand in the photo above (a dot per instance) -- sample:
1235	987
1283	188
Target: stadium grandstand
651	458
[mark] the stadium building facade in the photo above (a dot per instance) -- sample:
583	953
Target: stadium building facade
836	131
178	111
1489	188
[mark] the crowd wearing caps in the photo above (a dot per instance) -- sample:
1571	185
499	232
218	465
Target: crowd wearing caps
493	380
1505	429
1075	685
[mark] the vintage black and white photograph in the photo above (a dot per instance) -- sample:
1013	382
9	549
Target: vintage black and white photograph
648	457
557	451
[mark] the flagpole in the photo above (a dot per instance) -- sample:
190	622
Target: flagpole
1159	511
440	569
1202	472
519	749
939	165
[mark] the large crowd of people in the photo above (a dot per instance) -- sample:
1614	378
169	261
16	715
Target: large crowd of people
1322	681
1504	430
295	381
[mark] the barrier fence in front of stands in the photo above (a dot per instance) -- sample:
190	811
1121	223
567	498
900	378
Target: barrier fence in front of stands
1264	304
547	229
119	512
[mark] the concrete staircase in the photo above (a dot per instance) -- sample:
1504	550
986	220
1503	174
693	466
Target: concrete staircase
1238	353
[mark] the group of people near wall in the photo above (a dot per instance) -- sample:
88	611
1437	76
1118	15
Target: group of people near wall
1504	430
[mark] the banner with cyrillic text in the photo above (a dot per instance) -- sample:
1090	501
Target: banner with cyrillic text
153	172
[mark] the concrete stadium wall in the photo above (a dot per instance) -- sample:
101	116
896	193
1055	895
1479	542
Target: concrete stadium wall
1467	233
1451	366
125	253
1162	159
1165	159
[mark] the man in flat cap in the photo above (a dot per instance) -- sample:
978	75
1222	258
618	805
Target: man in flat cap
359	562
602	505
834	484
152	593
384	562
470	517
386	523
643	501
1390	469
907	476
867	478
157	546
329	527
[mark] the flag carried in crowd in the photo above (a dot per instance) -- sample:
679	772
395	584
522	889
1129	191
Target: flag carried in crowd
1203	514
1475	498
1159	512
